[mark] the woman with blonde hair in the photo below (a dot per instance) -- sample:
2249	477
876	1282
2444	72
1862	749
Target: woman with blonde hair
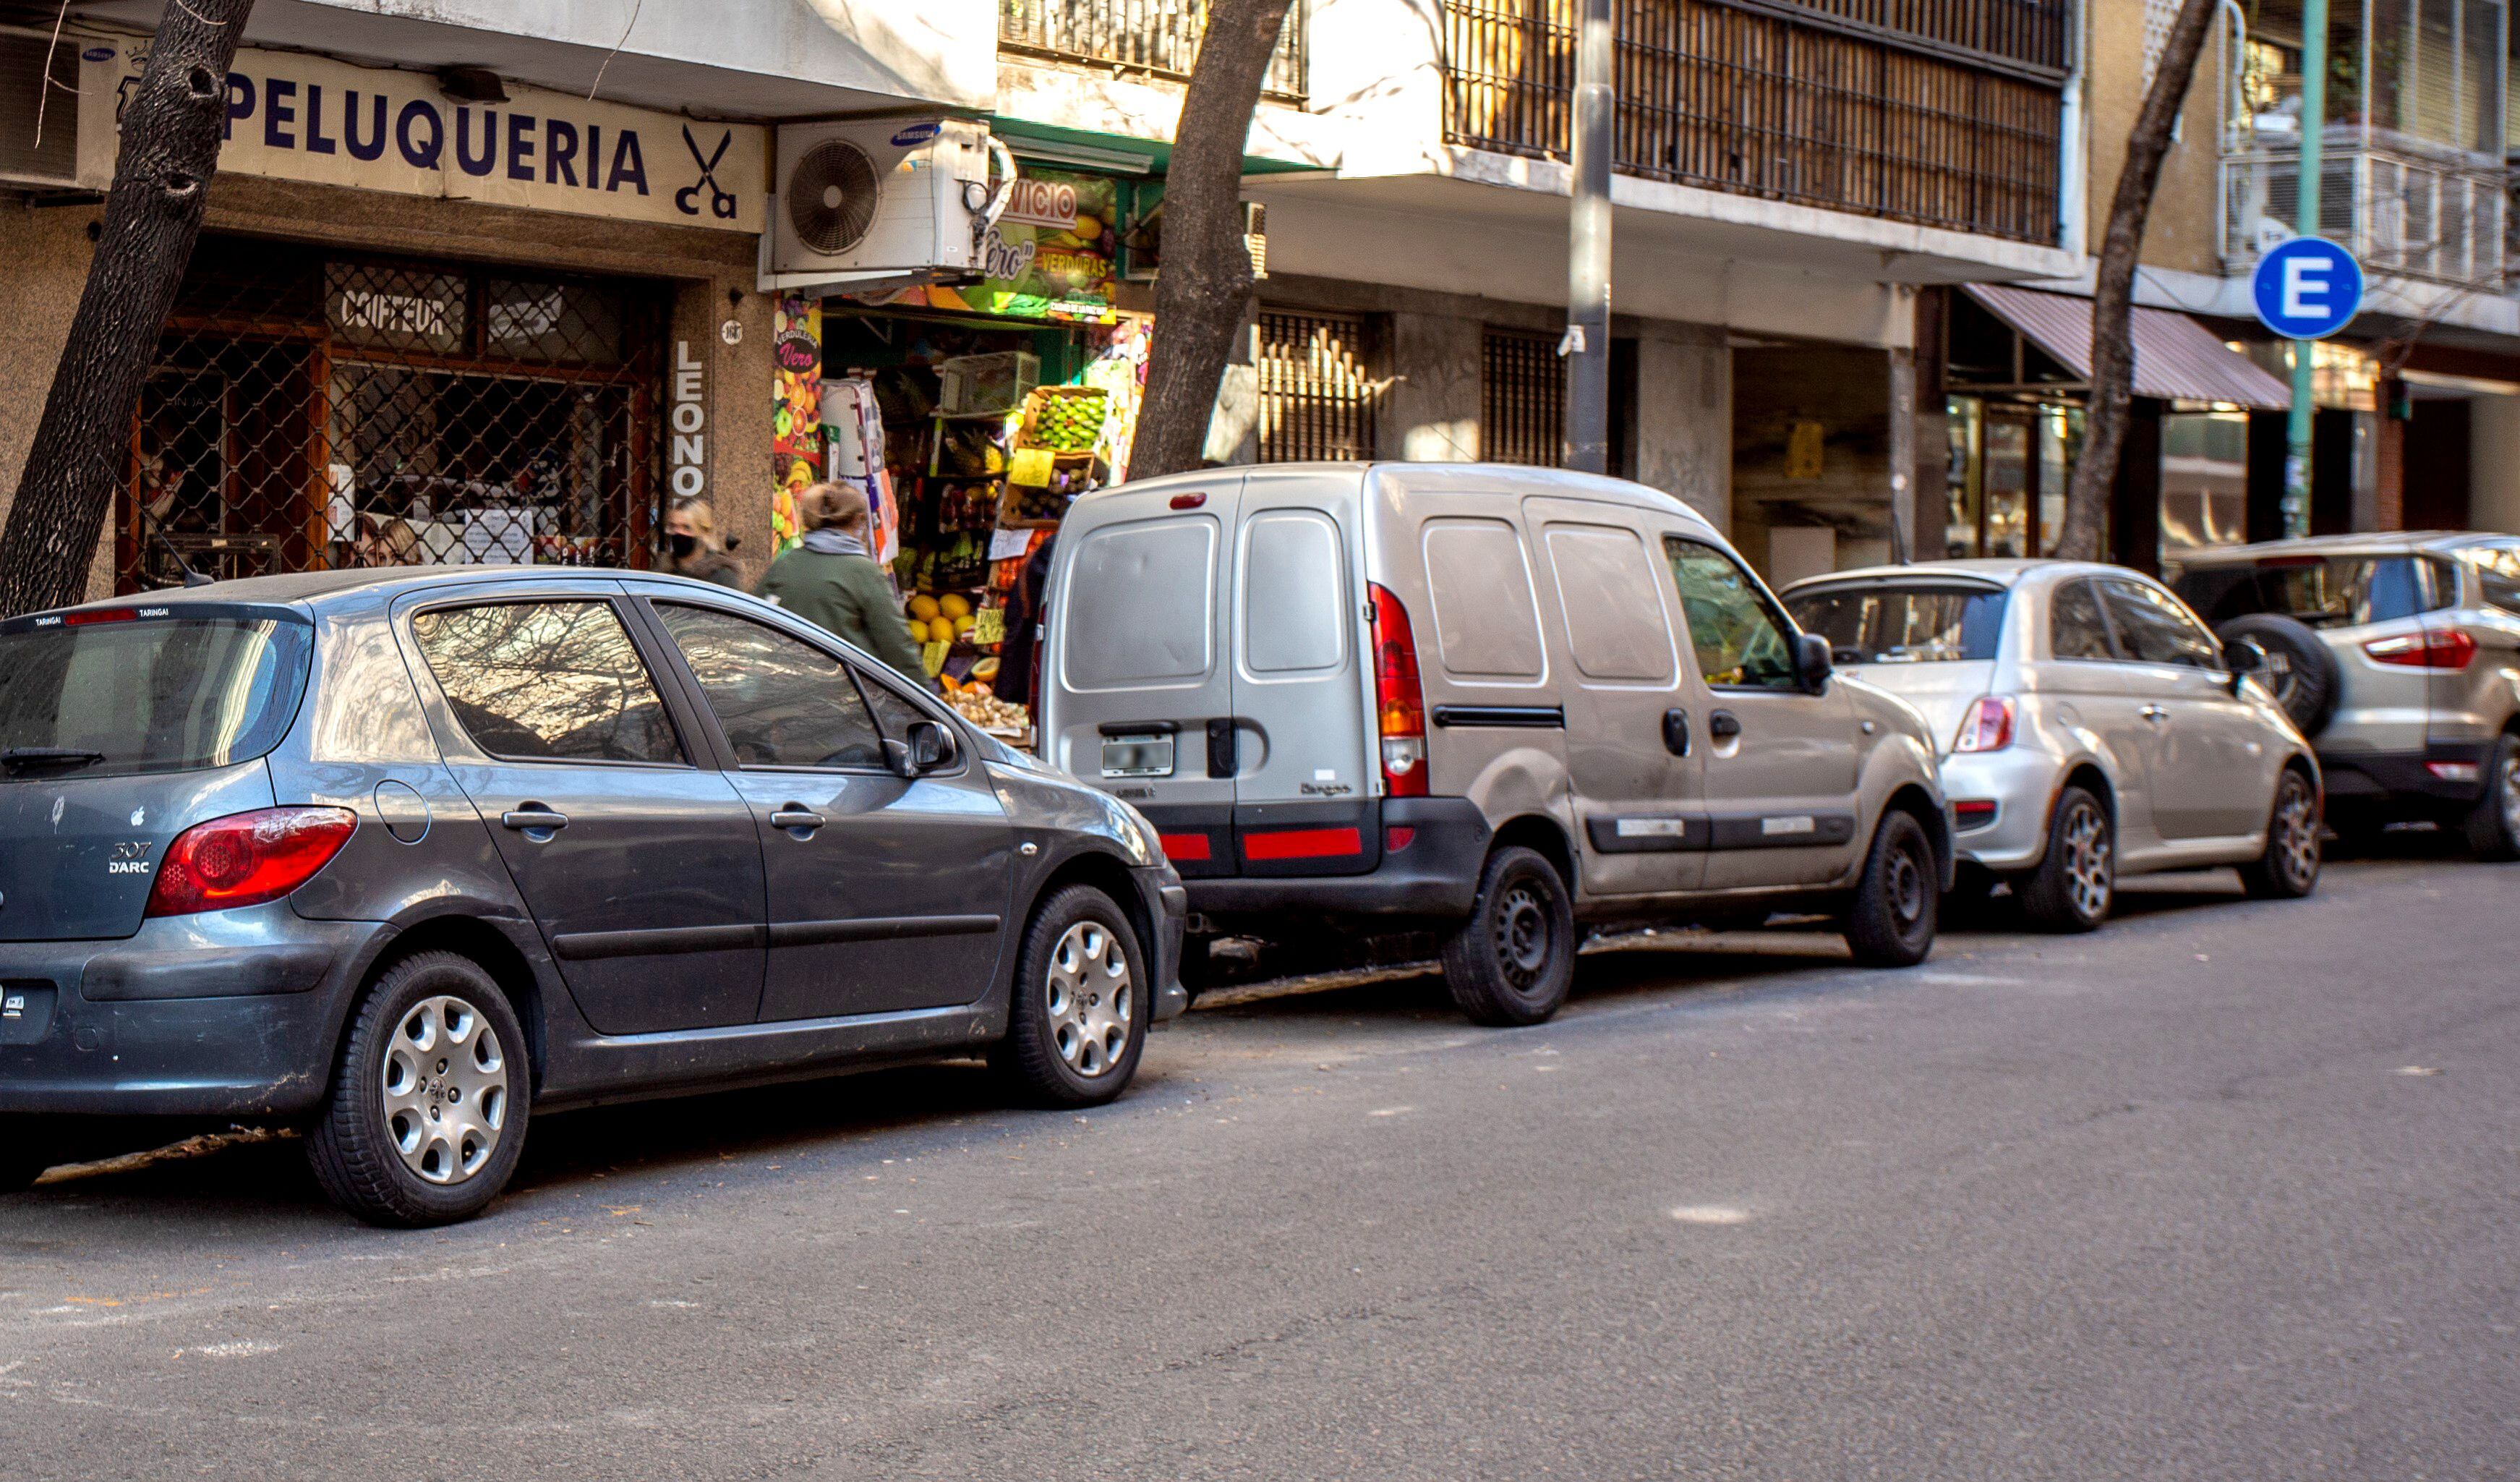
698	552
832	579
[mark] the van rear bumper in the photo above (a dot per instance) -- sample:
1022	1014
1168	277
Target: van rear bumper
1434	873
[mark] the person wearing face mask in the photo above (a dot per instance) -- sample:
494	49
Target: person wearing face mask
691	534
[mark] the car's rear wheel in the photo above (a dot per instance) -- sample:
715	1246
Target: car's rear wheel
1513	960
429	1099
28	1145
2494	824
2289	867
1891	923
2074	886
1078	1022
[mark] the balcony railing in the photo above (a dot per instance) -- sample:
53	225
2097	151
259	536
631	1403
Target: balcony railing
1157	37
2402	212
1943	113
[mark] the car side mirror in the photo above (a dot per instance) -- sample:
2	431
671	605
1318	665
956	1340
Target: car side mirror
2245	658
930	747
1811	663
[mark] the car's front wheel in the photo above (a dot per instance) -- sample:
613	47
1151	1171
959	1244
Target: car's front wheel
1513	960
1078	1022
429	1098
1891	921
2289	867
2073	886
2494	824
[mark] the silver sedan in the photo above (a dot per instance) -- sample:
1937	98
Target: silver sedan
2091	726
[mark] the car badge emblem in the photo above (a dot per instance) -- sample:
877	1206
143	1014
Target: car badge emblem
139	816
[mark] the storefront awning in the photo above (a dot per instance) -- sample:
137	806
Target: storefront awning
2175	358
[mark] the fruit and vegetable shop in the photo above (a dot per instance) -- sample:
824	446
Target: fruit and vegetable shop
974	414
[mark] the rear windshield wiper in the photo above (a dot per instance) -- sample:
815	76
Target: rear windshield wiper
48	756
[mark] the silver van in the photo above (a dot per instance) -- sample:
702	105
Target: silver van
1486	703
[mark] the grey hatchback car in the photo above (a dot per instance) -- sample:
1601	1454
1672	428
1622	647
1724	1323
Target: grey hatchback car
403	857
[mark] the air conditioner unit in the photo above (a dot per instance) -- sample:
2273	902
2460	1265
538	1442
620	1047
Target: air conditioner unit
53	164
891	202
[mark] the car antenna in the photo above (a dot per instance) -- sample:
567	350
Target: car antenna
192	578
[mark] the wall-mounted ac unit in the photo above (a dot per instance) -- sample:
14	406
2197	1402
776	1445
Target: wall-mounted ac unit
24	163
868	204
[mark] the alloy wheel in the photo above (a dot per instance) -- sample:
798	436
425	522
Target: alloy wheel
445	1084
2509	782
2089	868
1091	999
1523	937
2297	831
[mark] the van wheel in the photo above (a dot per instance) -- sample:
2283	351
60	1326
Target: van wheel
1891	923
2077	878
2494	824
27	1147
2289	868
1513	960
1078	1021
429	1098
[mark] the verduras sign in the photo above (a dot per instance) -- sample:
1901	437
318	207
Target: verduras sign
293	116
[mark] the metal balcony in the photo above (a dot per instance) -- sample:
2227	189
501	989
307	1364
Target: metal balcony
1154	36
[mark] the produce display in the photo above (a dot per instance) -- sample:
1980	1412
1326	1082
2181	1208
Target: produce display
977	703
1066	419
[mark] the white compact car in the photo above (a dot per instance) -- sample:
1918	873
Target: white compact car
2089	727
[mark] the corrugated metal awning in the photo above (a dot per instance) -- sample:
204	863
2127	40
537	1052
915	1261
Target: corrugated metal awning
2175	358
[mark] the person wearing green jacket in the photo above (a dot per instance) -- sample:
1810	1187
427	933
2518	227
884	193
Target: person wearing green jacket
833	581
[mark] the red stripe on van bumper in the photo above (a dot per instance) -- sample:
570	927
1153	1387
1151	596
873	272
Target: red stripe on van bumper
1185	847
1303	843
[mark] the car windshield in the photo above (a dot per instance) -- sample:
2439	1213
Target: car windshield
119	691
2325	592
1902	624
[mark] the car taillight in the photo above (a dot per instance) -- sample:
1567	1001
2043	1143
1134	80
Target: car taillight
248	858
1399	704
1988	725
2432	648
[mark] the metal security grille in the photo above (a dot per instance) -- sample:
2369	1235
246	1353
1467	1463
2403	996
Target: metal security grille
1317	392
310	411
1946	115
1522	399
1160	36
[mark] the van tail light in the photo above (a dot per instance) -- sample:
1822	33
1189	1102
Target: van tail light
1988	725
248	858
2432	648
1399	701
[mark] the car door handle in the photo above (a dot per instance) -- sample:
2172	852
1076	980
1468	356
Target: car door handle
1675	732
1723	725
533	815
793	815
2154	712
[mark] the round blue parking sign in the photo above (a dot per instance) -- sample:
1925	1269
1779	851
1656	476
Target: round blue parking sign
2308	288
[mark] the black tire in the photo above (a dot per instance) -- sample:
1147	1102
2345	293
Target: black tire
1060	1049
356	1146
2077	878
28	1145
1891	921
2301	673
1513	960
2289	867
2494	824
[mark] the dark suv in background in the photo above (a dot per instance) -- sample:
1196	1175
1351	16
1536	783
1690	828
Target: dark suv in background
406	856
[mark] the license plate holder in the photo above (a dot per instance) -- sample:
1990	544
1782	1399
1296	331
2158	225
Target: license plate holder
1137	755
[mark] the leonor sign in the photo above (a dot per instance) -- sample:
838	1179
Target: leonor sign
293	116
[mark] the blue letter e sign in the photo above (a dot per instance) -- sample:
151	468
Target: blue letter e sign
2308	288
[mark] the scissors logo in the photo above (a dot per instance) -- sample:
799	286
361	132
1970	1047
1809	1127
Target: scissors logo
721	202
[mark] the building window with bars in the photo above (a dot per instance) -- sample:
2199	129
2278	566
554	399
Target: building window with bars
1522	399
1316	387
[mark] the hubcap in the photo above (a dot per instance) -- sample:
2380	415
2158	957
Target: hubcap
445	1089
1524	936
1092	1000
2297	833
2088	865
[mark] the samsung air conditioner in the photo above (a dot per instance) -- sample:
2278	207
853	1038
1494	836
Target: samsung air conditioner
863	205
50	164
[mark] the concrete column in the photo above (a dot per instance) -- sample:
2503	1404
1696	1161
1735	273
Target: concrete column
2493	464
1684	419
1430	412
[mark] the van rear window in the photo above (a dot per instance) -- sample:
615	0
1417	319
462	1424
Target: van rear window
108	695
2329	592
1902	624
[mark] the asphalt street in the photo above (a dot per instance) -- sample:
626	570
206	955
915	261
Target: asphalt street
2225	1191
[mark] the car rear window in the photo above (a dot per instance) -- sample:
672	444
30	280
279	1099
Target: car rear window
122	692
2325	592
1902	624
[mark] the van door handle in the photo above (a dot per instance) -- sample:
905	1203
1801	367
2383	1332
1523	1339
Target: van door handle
793	815
1723	725
1224	751
1675	732
533	815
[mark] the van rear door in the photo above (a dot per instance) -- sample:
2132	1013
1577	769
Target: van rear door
1304	779
1138	685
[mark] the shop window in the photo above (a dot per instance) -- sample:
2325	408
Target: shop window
1317	392
1522	399
2204	481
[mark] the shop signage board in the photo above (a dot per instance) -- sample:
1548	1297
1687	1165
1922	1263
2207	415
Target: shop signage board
2307	288
1053	254
296	117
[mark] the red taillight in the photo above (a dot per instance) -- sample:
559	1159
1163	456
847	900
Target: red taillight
1988	725
2432	648
1400	704
1397	837
248	858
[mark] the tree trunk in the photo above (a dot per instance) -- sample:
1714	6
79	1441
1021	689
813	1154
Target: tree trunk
1205	280
2104	425
82	447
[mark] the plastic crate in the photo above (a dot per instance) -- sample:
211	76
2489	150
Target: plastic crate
987	386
